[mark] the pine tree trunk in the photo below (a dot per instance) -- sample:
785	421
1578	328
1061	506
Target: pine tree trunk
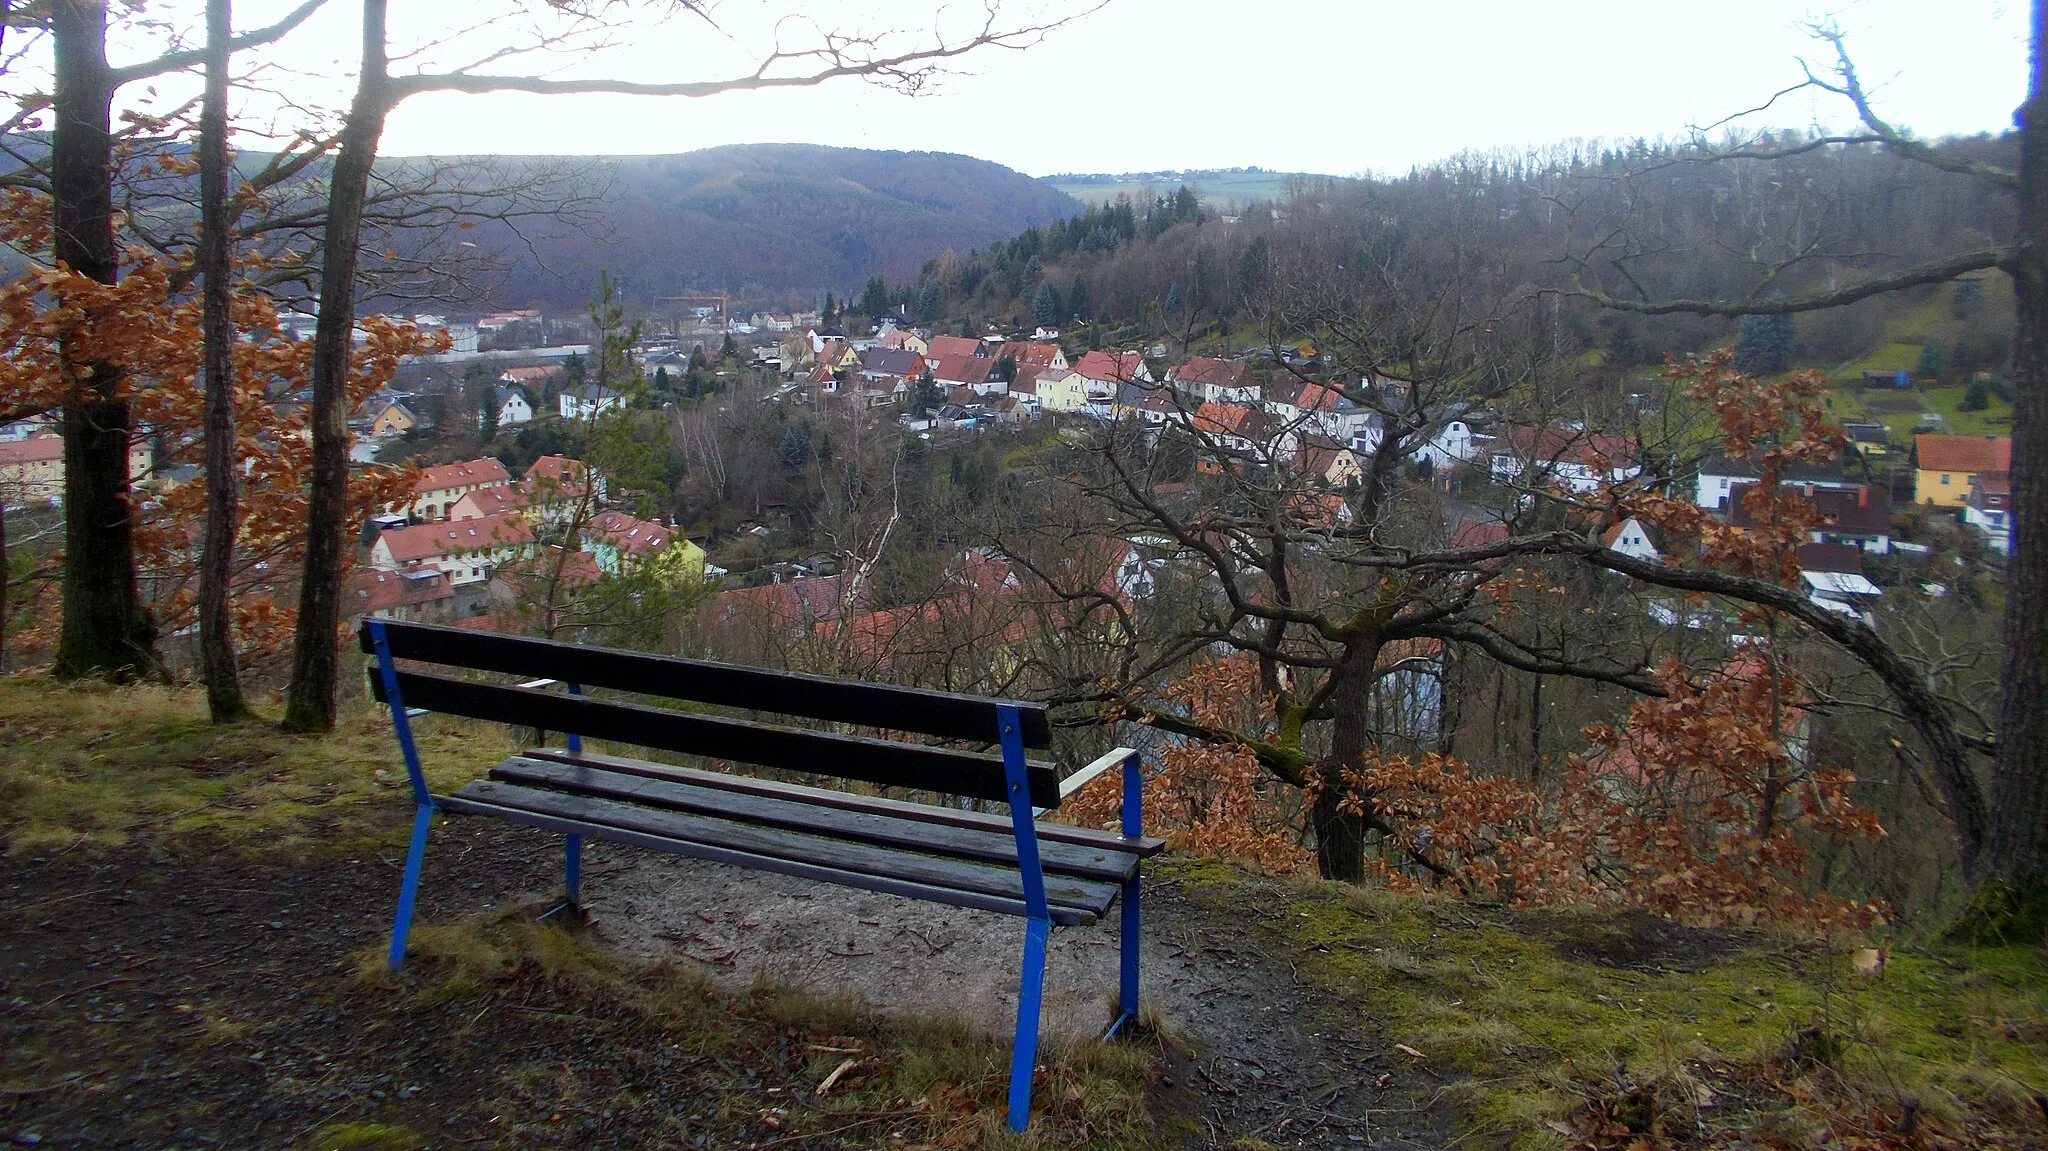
311	702
105	630
2014	862
224	699
1340	835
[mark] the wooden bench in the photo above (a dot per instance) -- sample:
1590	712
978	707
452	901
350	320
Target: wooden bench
1044	873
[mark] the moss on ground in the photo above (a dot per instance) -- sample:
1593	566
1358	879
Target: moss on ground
90	764
1550	1014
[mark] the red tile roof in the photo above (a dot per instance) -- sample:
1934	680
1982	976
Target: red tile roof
372	590
35	449
1963	453
1208	370
956	369
939	347
1118	366
1219	419
486	471
461	537
636	536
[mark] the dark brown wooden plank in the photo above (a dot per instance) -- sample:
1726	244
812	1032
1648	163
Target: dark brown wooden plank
941	713
1065	916
853	858
988	845
895	808
939	769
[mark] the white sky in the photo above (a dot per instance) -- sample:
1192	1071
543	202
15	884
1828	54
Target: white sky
1336	86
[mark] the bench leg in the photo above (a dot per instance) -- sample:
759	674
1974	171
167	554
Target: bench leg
422	816
572	871
1024	1048
1127	980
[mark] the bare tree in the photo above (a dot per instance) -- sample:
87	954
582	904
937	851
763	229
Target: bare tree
2003	836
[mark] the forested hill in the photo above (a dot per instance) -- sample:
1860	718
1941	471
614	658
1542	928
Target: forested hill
765	220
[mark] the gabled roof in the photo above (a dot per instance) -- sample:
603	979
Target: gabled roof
1845	558
373	590
1106	366
460	537
1025	382
1478	533
527	375
1933	453
1798	471
1220	419
1214	372
956	369
35	449
1561	445
1863	510
559	470
805	602
486	471
1319	456
495	501
1317	398
892	362
942	346
636	536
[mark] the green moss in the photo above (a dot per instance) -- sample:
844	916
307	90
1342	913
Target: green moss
88	764
365	1137
1545	1011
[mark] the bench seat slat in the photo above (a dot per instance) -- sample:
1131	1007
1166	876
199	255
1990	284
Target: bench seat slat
1088	898
984	844
927	712
938	769
952	897
1144	846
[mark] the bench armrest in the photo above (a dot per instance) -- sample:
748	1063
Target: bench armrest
1108	761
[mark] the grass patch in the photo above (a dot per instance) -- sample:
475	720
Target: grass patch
1560	1019
365	1137
769	1050
88	764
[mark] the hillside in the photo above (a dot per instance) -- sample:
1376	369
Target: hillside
767	220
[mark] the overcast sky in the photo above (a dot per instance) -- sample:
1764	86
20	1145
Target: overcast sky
1335	86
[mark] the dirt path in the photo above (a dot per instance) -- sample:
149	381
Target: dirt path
192	999
1262	1054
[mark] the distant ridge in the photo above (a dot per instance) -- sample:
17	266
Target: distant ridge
767	220
1218	187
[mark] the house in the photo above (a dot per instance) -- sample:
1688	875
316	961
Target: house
1321	410
28	427
1631	538
588	400
1833	577
1107	372
1204	379
617	540
902	339
1149	405
1448	446
941	347
957	371
533	379
420	594
486	502
892	364
1059	390
435	491
498	321
384	417
1330	462
1041	332
1578	460
1873	440
1032	354
467	550
1989	510
1238	427
513	409
1859	517
555	484
1719	475
32	470
1944	465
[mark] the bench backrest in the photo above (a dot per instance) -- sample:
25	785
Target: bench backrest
879	761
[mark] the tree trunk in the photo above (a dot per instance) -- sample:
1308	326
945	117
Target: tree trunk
1340	834
224	700
2012	903
311	703
105	630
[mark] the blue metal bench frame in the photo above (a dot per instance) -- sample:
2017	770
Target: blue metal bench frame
1038	919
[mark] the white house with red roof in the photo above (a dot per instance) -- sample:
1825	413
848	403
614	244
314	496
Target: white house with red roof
467	550
1575	459
439	486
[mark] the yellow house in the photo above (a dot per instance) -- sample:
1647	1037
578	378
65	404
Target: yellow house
1062	391
392	420
1944	465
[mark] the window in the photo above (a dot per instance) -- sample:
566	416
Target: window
1944	479
1724	483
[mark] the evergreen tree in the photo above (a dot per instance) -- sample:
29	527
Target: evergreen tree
1045	307
874	301
929	300
1928	370
1174	299
926	395
664	390
795	451
1078	303
729	352
1763	345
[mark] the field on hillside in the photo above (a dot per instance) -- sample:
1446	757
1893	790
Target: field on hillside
1217	190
